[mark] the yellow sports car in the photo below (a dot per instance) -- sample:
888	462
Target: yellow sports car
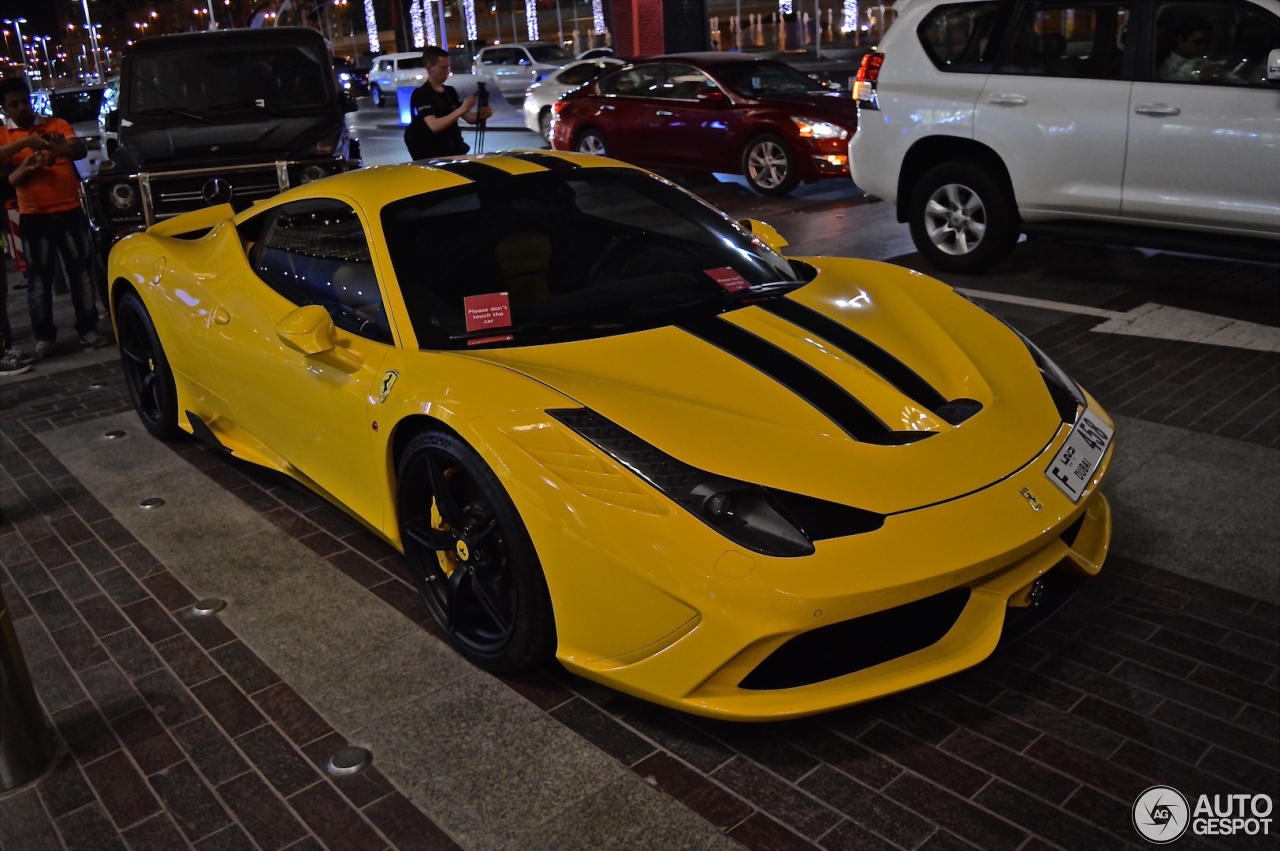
605	422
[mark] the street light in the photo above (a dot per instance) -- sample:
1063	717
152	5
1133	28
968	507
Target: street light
93	36
22	59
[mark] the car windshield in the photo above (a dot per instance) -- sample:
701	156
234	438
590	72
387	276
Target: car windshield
282	78
570	253
76	106
548	53
766	79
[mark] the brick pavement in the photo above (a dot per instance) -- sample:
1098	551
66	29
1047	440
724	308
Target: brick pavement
179	735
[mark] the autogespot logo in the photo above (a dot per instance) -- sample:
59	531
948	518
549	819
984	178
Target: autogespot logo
1160	814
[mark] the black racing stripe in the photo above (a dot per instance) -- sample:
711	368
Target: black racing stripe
550	161
794	374
888	367
473	170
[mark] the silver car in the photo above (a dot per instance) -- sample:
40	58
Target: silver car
540	96
520	65
78	106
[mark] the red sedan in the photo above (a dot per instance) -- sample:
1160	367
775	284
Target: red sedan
712	112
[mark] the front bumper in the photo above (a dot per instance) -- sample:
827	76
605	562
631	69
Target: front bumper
991	543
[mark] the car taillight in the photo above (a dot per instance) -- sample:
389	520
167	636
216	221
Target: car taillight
864	85
559	105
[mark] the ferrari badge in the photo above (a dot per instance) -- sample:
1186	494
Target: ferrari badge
388	381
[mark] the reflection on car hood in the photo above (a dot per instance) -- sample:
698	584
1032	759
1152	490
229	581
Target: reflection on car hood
829	105
227	137
723	413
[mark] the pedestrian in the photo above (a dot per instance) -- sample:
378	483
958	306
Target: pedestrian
40	153
12	361
434	110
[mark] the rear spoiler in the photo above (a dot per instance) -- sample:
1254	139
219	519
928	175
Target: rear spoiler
196	220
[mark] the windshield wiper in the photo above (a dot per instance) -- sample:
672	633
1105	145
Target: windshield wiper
227	107
172	110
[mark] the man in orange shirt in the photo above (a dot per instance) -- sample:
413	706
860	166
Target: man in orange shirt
40	153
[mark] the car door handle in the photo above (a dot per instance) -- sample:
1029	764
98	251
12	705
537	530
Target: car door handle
664	112
1156	109
1007	100
220	316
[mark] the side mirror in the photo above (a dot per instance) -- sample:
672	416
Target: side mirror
1273	67
765	233
308	329
716	98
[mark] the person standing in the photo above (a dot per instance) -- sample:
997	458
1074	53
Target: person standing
40	152
434	111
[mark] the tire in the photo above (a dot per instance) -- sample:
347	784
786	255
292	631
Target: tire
962	219
146	369
479	575
769	165
379	100
544	124
591	141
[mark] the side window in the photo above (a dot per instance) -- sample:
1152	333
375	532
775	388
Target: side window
1064	39
408	63
1215	43
521	57
638	81
499	56
962	38
684	82
315	252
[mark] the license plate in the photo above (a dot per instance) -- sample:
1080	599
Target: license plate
1073	466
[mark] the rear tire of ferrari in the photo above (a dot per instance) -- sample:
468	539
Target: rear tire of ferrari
146	369
471	556
592	142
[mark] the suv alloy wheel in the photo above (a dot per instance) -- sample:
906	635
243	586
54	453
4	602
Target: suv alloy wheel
961	219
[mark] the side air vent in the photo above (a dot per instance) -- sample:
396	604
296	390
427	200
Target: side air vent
958	410
855	645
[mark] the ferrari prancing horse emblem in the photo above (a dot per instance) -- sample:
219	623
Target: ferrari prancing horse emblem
388	381
463	553
1031	499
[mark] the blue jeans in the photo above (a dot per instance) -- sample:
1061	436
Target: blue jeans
45	236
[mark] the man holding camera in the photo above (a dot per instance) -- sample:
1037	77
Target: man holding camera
434	108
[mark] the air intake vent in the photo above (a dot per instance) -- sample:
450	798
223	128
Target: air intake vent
855	645
958	410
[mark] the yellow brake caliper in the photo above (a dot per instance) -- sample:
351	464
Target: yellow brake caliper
448	561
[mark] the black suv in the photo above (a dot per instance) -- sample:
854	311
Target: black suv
219	117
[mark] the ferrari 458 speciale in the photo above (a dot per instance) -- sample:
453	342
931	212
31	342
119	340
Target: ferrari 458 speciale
608	424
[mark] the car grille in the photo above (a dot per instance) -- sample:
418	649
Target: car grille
854	645
170	195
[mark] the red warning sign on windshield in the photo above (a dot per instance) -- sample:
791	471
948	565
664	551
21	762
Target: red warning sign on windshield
492	310
729	279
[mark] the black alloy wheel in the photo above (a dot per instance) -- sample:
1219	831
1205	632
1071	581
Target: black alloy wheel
471	555
146	369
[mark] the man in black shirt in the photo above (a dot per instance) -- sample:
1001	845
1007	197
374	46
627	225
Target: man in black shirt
434	110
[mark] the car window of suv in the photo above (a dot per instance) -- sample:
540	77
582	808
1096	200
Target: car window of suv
637	81
1064	39
962	38
316	252
1214	43
408	62
684	82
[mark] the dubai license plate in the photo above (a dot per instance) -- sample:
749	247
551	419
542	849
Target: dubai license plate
1073	467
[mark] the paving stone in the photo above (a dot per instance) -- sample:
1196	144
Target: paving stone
230	838
406	826
89	827
762	832
167	697
54	682
333	821
189	801
35	643
210	750
690	788
244	667
602	731
779	799
63	789
867	808
262	814
955	814
103	617
155	834
24	823
282	766
188	661
228	706
146	739
134	655
85	731
299	721
122	790
121	586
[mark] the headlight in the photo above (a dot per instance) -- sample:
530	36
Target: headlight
344	76
122	196
764	520
1068	398
811	128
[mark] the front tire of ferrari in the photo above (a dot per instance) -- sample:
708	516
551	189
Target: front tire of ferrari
146	369
471	556
962	219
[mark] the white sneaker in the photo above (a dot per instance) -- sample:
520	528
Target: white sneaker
44	348
94	340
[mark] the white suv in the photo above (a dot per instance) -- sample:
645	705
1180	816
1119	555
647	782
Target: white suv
392	71
518	66
1149	123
